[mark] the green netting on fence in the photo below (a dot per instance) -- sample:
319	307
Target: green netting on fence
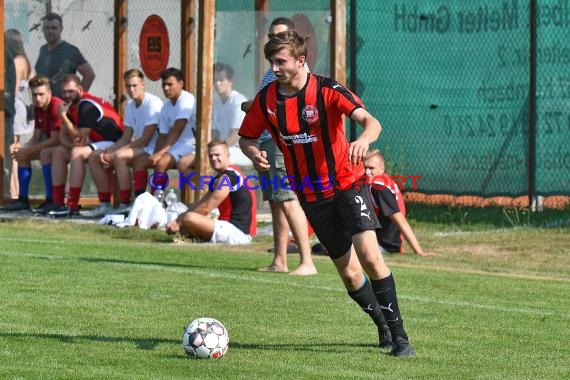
449	81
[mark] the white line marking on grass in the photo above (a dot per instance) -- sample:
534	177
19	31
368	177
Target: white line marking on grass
463	233
264	279
36	241
506	309
524	276
225	275
100	243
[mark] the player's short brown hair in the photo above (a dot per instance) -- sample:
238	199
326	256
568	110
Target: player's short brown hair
72	78
172	72
38	81
374	153
133	73
214	143
53	16
288	39
283	21
224	67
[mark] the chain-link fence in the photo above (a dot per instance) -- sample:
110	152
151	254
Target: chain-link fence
235	37
87	24
170	13
448	79
450	82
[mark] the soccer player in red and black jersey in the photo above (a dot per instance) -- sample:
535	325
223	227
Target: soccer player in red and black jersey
389	207
235	202
304	114
42	145
88	124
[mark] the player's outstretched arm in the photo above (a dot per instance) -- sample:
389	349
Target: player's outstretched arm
399	219
220	191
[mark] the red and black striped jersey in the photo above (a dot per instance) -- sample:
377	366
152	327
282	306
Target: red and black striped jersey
308	128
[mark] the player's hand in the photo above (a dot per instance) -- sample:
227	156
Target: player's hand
154	158
63	108
425	254
81	141
104	158
357	150
260	162
20	154
245	106
14	147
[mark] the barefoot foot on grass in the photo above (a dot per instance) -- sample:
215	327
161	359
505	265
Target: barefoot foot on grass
274	269
304	270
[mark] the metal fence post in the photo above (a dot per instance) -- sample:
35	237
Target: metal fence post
532	116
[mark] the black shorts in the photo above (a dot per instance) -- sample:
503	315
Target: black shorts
336	220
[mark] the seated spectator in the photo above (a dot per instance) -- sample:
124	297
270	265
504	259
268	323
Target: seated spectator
235	203
142	115
389	206
227	114
88	124
176	145
41	146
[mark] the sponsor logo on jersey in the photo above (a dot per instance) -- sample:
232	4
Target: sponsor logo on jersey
301	138
310	114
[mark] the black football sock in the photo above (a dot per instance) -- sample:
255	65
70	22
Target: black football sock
385	291
365	298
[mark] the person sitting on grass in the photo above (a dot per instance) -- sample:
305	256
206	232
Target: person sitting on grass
390	208
235	203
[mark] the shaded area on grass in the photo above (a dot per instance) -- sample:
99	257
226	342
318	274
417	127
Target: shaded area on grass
152	343
310	347
159	264
143	344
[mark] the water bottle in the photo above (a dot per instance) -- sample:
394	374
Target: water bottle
159	195
171	199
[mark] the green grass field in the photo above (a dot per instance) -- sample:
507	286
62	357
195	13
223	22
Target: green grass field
86	301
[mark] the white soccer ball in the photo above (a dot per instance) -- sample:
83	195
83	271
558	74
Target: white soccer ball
205	338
